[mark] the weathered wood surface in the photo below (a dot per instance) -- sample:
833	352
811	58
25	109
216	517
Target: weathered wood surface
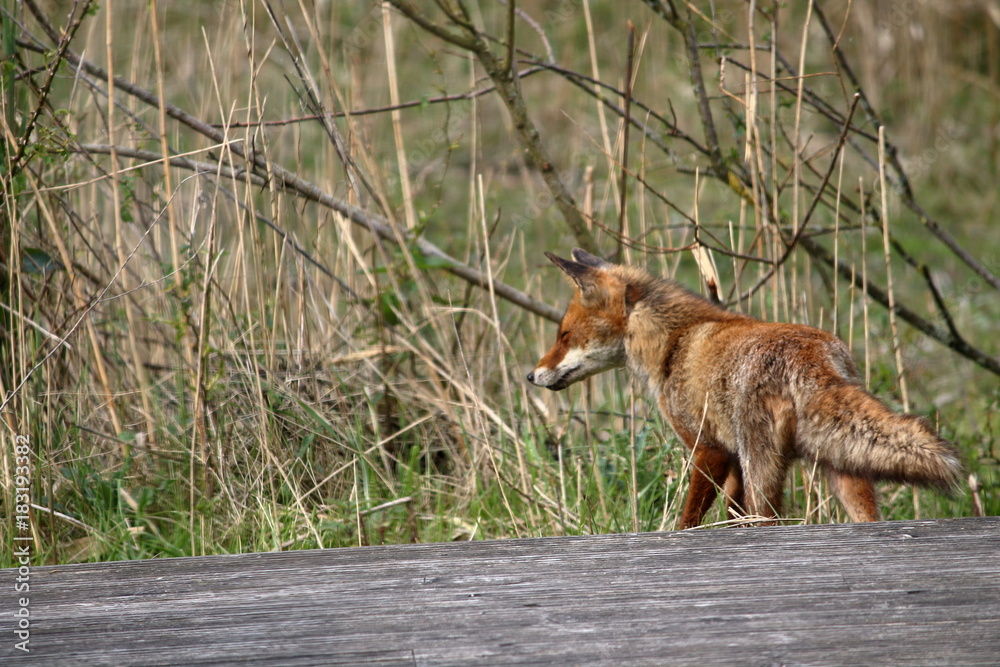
895	593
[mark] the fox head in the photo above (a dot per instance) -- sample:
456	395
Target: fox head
592	333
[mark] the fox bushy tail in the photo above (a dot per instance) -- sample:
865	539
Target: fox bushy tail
852	431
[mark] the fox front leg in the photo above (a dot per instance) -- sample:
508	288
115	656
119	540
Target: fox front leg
711	469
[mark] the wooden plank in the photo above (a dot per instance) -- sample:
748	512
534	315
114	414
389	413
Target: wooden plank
900	593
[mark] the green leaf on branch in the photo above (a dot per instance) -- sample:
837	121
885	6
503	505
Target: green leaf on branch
37	261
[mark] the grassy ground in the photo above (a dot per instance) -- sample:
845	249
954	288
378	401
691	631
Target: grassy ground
223	394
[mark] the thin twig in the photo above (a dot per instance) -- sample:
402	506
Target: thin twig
441	99
790	245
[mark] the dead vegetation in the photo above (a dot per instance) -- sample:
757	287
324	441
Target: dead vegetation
272	273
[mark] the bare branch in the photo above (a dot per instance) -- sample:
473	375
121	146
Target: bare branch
509	89
374	223
943	336
901	181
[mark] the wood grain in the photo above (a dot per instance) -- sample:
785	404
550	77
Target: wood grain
899	593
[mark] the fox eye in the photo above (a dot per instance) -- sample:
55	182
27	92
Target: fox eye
564	336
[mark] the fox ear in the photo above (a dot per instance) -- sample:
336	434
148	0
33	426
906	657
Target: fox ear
585	257
580	273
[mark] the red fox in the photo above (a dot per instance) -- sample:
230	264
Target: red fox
746	396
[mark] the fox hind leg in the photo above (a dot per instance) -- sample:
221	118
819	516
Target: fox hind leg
764	477
766	445
856	495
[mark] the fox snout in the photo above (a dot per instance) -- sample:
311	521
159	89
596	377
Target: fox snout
548	378
562	367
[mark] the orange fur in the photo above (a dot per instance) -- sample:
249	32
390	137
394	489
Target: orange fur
746	396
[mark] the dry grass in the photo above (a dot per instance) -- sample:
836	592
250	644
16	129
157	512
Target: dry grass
207	361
